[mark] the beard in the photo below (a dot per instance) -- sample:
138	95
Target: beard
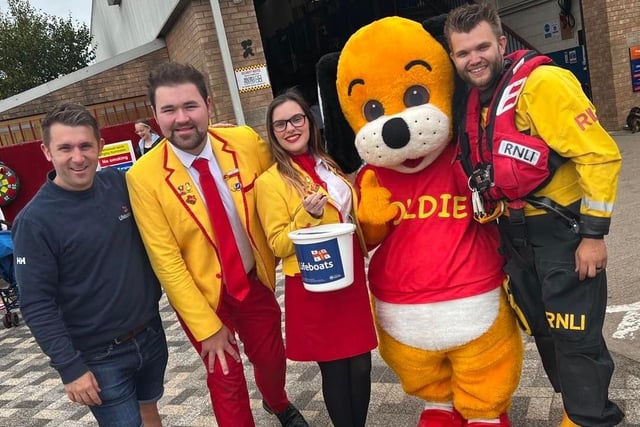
189	143
494	68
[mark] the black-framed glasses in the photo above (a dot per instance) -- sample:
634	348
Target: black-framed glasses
296	121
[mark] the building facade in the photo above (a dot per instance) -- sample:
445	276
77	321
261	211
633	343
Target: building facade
252	49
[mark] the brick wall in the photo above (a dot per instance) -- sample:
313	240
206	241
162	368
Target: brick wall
124	81
611	27
193	40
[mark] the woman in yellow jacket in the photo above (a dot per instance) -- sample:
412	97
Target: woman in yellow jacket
304	188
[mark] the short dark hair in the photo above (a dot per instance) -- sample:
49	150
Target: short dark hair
68	114
465	18
174	73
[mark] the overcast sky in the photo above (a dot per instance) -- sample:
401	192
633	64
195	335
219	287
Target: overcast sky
80	10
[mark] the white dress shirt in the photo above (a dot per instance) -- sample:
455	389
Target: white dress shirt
239	232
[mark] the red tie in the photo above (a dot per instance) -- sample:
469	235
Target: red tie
233	274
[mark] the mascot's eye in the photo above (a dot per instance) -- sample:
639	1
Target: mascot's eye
372	110
416	95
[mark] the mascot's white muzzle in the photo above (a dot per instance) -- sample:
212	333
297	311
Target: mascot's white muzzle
411	134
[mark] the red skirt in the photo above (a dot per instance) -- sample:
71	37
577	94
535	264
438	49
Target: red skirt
326	326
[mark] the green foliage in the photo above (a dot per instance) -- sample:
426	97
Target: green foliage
36	47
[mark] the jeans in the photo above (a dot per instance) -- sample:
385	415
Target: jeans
129	374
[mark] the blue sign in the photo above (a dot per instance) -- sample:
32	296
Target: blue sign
320	263
634	61
574	60
124	166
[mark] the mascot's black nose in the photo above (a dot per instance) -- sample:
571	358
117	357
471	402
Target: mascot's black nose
395	133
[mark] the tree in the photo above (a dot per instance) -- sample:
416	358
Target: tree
36	47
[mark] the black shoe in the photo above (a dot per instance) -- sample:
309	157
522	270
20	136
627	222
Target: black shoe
290	417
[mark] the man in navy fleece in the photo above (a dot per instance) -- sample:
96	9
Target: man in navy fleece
88	292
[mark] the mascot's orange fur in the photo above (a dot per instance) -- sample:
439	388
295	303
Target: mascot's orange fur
443	321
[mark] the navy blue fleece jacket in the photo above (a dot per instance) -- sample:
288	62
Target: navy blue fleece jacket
82	270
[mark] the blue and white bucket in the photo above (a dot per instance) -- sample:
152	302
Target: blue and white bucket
325	256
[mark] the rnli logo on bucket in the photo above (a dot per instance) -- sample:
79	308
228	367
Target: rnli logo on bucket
320	255
320	263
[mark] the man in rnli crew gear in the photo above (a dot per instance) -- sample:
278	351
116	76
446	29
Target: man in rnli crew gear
553	237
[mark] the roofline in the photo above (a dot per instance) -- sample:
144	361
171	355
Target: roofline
173	17
79	75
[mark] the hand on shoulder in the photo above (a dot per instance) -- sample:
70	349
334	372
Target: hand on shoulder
223	125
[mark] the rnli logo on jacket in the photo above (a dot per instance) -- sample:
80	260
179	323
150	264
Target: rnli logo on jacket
519	152
320	263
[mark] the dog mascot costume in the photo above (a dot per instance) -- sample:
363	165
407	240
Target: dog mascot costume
444	324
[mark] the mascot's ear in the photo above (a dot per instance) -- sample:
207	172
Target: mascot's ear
435	27
338	135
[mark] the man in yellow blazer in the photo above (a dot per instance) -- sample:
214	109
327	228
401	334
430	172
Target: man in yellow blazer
171	212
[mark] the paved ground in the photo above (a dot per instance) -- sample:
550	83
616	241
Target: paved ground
31	393
622	326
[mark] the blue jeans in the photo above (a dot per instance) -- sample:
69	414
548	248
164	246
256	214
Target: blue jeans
129	374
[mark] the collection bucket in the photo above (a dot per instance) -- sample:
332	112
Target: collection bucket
325	256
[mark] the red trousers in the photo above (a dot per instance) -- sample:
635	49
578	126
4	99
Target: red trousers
257	320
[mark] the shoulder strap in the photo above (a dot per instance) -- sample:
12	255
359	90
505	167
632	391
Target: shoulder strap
515	62
465	148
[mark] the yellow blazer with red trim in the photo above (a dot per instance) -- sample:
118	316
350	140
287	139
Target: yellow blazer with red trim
176	229
280	211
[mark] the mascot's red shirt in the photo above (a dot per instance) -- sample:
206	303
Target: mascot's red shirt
435	250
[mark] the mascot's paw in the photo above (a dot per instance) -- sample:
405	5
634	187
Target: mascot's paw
375	201
503	422
440	418
566	422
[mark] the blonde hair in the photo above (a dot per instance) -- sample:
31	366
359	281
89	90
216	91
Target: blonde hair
143	122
